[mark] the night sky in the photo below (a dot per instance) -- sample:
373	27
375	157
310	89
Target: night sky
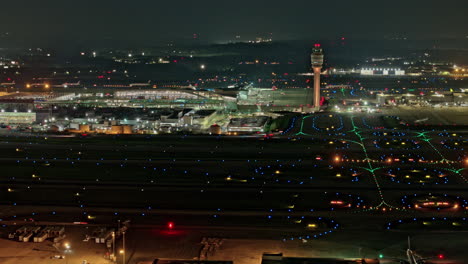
145	22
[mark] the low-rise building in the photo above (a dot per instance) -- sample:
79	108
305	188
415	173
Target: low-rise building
248	124
17	118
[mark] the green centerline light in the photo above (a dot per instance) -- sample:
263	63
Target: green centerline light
444	159
357	131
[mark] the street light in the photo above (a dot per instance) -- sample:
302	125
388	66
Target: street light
67	249
113	246
123	239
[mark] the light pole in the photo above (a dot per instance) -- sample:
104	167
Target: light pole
113	246
121	253
67	250
123	238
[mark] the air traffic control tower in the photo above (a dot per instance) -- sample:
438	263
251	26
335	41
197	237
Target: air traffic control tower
317	63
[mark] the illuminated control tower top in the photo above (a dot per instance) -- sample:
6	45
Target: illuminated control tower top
317	56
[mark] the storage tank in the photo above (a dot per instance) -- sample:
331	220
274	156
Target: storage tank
127	129
85	128
215	129
116	129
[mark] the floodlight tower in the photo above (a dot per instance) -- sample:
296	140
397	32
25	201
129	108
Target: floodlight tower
317	63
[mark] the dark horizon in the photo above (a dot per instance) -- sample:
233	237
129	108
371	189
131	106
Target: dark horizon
144	23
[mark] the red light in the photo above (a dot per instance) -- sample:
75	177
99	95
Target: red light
170	225
317	45
441	256
322	100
